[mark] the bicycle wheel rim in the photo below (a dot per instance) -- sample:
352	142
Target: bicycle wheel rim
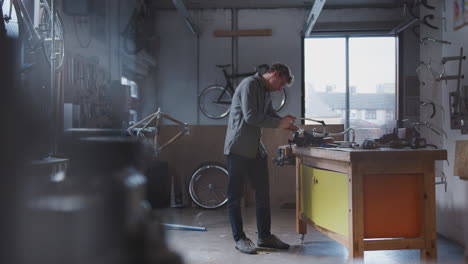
208	104
59	38
208	186
278	99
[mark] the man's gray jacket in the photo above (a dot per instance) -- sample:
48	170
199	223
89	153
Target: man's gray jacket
251	110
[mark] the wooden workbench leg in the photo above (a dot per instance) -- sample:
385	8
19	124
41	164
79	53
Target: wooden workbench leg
301	226
429	224
356	213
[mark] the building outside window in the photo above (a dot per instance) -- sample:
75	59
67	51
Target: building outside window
371	114
351	77
389	115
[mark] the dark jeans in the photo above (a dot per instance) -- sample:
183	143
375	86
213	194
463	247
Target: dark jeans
256	170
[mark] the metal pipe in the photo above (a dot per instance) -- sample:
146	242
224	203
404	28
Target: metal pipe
184	227
180	6
37	6
451	77
52	78
313	16
348	91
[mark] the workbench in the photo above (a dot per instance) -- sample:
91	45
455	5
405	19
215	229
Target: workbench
381	199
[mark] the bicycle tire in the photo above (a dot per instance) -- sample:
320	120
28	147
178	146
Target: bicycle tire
278	100
208	102
208	185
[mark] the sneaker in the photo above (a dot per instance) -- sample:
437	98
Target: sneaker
272	241
245	245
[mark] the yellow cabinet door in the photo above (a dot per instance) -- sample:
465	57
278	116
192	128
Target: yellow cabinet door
325	198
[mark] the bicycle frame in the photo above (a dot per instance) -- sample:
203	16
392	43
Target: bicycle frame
229	84
144	125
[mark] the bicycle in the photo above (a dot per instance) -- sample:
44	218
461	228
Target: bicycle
208	185
38	28
215	100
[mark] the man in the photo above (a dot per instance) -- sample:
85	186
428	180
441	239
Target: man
251	111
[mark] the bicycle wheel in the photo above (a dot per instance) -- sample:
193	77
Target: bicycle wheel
208	185
45	31
212	105
278	99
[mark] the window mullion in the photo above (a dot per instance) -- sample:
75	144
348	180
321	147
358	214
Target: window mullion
347	104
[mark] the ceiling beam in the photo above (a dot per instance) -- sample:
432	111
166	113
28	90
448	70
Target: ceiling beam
179	4
272	4
326	28
313	16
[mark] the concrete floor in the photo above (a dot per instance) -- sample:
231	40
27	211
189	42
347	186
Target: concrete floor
216	244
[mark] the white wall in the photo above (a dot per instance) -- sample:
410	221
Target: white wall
452	206
176	73
213	51
283	46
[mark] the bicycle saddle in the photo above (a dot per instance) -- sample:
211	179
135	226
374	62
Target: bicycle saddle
223	66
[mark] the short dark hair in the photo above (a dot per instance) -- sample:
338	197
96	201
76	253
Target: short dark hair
283	70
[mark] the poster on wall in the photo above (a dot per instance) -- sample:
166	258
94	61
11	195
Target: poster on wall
460	13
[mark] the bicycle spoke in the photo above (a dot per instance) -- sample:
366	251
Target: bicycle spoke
205	189
208	186
217	196
218	192
215	102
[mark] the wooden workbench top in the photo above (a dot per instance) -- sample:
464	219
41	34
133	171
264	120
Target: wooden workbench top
349	154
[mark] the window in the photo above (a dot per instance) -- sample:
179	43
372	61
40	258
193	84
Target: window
356	75
389	115
371	114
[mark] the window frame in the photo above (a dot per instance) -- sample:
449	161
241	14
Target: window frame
347	36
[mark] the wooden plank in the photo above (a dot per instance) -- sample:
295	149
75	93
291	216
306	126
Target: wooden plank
394	166
391	244
243	33
430	238
333	165
301	227
383	154
343	240
461	159
387	154
323	153
356	216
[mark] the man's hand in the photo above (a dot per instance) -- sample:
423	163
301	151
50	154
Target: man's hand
287	123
